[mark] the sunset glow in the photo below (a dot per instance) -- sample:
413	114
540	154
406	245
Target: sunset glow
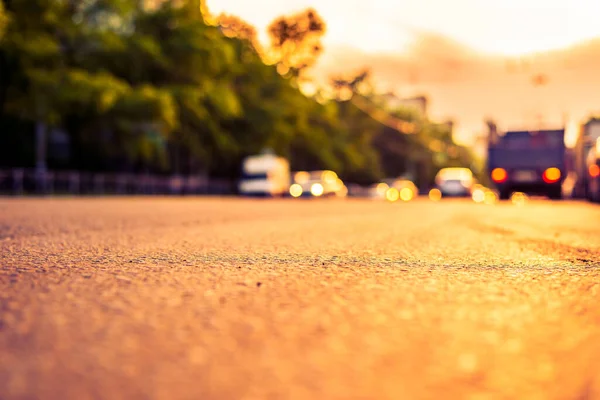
509	27
472	58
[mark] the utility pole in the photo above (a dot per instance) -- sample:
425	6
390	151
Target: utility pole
40	148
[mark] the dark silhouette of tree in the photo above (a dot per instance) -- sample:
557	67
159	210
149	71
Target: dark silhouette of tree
233	26
3	19
346	87
296	40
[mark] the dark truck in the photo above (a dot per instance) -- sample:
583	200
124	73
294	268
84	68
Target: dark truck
592	164
532	162
586	140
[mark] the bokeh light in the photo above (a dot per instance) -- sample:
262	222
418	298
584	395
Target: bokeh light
296	190
435	195
316	189
499	175
329	177
478	195
301	177
518	198
490	198
382	188
406	194
342	192
392	194
551	175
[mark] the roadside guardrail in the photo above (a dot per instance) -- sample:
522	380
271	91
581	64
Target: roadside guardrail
21	182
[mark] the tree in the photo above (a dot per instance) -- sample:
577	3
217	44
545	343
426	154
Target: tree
52	82
346	87
296	41
161	88
233	26
3	19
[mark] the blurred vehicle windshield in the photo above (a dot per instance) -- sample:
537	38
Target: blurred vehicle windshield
455	174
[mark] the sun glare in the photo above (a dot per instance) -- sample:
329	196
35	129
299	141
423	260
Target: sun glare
517	48
509	28
373	38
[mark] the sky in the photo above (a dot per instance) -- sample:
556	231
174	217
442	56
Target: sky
458	52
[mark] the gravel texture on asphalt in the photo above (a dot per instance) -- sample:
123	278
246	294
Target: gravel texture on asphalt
209	298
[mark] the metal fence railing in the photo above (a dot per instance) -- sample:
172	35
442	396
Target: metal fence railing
21	181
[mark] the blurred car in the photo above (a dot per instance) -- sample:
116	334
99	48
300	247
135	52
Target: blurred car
393	190
403	189
378	190
317	184
455	182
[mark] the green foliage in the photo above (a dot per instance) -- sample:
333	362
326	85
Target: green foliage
3	20
159	88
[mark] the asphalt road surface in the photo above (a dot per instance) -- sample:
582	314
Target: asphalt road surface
190	298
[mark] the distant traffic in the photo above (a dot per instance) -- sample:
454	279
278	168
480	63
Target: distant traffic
519	163
269	175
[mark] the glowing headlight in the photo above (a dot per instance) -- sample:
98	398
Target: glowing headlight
519	198
296	190
490	197
478	196
316	189
406	194
392	194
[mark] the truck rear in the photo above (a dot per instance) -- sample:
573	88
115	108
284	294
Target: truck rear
532	162
593	173
588	136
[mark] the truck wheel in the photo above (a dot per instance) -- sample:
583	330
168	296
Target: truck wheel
555	194
594	196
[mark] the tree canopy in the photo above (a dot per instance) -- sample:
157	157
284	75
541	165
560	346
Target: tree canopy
3	20
152	86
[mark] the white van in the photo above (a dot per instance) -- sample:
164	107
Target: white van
265	175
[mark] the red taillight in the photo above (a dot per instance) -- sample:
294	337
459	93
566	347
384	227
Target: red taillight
499	175
551	175
594	171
